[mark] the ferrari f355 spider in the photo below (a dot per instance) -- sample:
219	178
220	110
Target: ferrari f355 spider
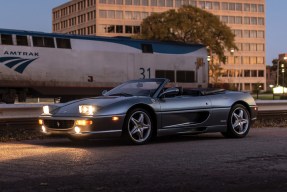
139	110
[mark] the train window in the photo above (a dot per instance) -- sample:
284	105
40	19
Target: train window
49	42
6	39
185	76
43	42
22	40
63	43
147	48
169	74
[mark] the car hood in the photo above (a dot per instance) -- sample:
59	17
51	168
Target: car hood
105	105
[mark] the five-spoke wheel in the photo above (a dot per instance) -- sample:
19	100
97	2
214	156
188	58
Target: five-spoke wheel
238	122
138	126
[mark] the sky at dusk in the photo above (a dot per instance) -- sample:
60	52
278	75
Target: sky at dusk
36	15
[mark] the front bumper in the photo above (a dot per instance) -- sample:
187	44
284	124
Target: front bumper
104	126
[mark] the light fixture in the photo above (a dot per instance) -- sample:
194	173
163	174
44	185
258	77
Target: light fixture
46	110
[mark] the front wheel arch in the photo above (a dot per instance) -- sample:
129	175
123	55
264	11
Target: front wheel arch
151	112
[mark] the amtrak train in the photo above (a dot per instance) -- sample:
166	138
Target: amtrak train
37	64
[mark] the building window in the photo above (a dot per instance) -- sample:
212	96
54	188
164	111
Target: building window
128	2
260	73
103	14
119	29
246	73
247	7
111	14
238	7
169	3
232	6
261	8
253	47
224	6
245	60
260	47
260	21
260	34
253	20
253	8
260	60
128	15
128	29
119	14
238	33
154	3
245	47
224	19
253	33
246	33
137	2
216	6
161	3
137	29
145	2
231	20
253	60
247	20
253	73
238	20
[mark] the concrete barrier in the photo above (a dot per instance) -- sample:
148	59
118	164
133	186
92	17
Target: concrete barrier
32	111
21	111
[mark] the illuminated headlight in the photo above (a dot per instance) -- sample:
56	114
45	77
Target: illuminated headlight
87	109
46	110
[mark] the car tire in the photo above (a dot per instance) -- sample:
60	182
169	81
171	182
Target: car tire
238	123
138	127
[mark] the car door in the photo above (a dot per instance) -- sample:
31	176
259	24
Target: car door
184	111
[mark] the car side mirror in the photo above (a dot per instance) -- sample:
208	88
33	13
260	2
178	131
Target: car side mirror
169	91
104	92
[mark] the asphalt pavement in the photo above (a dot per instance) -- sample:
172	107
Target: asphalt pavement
206	162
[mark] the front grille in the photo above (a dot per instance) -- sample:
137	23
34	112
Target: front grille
59	124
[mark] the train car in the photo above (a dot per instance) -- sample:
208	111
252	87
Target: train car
41	64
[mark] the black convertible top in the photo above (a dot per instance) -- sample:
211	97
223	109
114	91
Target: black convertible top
202	92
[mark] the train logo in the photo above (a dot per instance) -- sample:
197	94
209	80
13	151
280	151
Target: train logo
19	64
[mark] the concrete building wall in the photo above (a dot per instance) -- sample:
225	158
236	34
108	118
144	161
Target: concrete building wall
245	68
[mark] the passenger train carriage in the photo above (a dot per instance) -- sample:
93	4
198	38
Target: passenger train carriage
57	65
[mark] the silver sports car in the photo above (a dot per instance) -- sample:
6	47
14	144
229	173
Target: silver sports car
141	109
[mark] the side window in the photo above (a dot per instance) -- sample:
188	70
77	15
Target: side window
147	48
22	40
169	74
6	39
185	76
43	42
63	43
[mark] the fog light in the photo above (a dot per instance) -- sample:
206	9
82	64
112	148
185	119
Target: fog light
40	121
77	130
44	129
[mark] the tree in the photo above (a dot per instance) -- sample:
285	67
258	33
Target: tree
189	24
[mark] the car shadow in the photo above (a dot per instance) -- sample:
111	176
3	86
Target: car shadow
118	142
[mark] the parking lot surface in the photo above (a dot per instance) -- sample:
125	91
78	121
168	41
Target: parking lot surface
206	162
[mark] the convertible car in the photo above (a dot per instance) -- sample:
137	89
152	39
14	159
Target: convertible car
141	109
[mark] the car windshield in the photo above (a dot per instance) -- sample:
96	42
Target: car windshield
136	88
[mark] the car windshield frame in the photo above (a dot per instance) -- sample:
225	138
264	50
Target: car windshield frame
139	88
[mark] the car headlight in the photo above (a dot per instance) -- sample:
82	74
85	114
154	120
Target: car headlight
46	110
87	109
